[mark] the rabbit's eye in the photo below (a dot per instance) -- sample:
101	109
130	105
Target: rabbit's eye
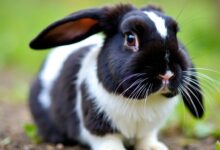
131	41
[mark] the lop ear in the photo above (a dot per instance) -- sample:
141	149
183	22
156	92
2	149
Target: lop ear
192	95
73	28
152	8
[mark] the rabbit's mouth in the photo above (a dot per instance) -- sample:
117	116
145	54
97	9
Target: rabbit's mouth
164	89
166	84
167	92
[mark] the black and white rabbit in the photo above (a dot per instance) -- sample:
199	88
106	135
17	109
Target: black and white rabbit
105	90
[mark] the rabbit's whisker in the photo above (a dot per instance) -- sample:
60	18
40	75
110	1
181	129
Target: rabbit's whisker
185	92
127	78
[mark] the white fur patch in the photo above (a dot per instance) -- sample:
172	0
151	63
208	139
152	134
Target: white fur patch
159	23
85	135
107	142
53	65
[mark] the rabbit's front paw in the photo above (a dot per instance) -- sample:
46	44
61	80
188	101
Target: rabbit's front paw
156	145
111	146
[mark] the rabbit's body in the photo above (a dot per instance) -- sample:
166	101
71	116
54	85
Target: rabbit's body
55	83
101	92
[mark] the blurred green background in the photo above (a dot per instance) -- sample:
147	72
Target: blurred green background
199	22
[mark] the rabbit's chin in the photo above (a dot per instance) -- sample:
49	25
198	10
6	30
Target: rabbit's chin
169	94
165	91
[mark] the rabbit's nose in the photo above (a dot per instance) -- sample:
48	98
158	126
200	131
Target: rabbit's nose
167	76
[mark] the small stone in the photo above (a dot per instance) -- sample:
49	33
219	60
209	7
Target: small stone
50	147
6	141
59	146
28	147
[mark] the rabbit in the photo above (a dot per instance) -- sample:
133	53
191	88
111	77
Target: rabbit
115	88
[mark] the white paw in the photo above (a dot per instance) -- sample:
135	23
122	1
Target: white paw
108	142
152	146
110	147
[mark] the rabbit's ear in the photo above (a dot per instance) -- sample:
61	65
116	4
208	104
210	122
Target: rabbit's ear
152	8
192	95
73	28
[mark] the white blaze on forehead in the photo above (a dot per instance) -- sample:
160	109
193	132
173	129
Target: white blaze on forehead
159	23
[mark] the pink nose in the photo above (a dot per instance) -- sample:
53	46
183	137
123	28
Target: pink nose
166	76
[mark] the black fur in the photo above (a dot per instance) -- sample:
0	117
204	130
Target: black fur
60	123
47	130
116	62
95	121
64	97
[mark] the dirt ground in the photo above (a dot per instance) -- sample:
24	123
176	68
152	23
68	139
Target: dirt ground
12	137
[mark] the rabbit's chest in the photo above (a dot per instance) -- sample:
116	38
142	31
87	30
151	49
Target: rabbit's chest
132	118
139	119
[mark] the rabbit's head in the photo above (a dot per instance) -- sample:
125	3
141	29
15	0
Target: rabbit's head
141	54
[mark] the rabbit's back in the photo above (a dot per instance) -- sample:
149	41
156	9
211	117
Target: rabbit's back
53	94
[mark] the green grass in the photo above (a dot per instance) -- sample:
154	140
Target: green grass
218	146
23	20
32	133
